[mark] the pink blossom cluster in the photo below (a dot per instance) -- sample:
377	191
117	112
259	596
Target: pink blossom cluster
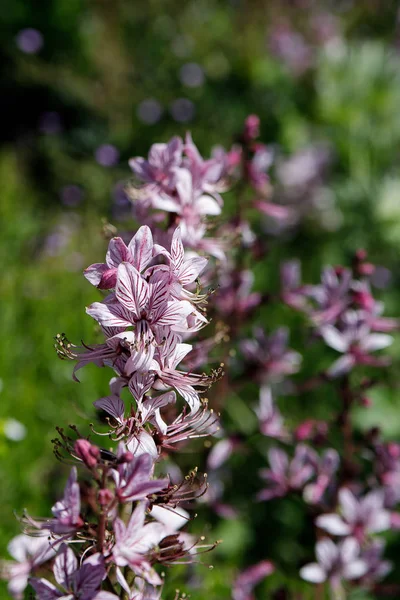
129	519
343	312
177	183
110	536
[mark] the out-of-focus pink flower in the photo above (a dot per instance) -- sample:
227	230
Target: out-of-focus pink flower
358	517
271	354
326	468
234	295
378	568
66	512
293	293
290	46
335	562
256	168
157	170
29	552
251	128
284	475
270	419
356	342
332	295
246	581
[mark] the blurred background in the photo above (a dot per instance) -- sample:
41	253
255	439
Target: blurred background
88	84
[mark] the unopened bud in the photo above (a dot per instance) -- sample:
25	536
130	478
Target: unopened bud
366	269
252	127
88	453
305	430
126	457
361	254
105	497
364	401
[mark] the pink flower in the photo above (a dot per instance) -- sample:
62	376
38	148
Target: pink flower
356	342
78	583
29	552
139	253
270	354
158	170
270	419
134	479
359	517
66	512
249	578
285	476
335	562
134	541
207	175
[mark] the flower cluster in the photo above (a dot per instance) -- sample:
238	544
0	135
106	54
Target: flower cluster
125	519
176	180
343	311
110	535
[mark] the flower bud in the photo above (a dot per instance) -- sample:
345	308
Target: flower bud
88	453
105	497
251	127
126	457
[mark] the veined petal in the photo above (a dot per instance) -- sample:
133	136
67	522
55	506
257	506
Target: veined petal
140	383
135	524
45	589
173	312
131	289
158	296
191	269
95	272
90	575
65	565
179	353
113	405
141	248
177	251
117	252
144	444
110	315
